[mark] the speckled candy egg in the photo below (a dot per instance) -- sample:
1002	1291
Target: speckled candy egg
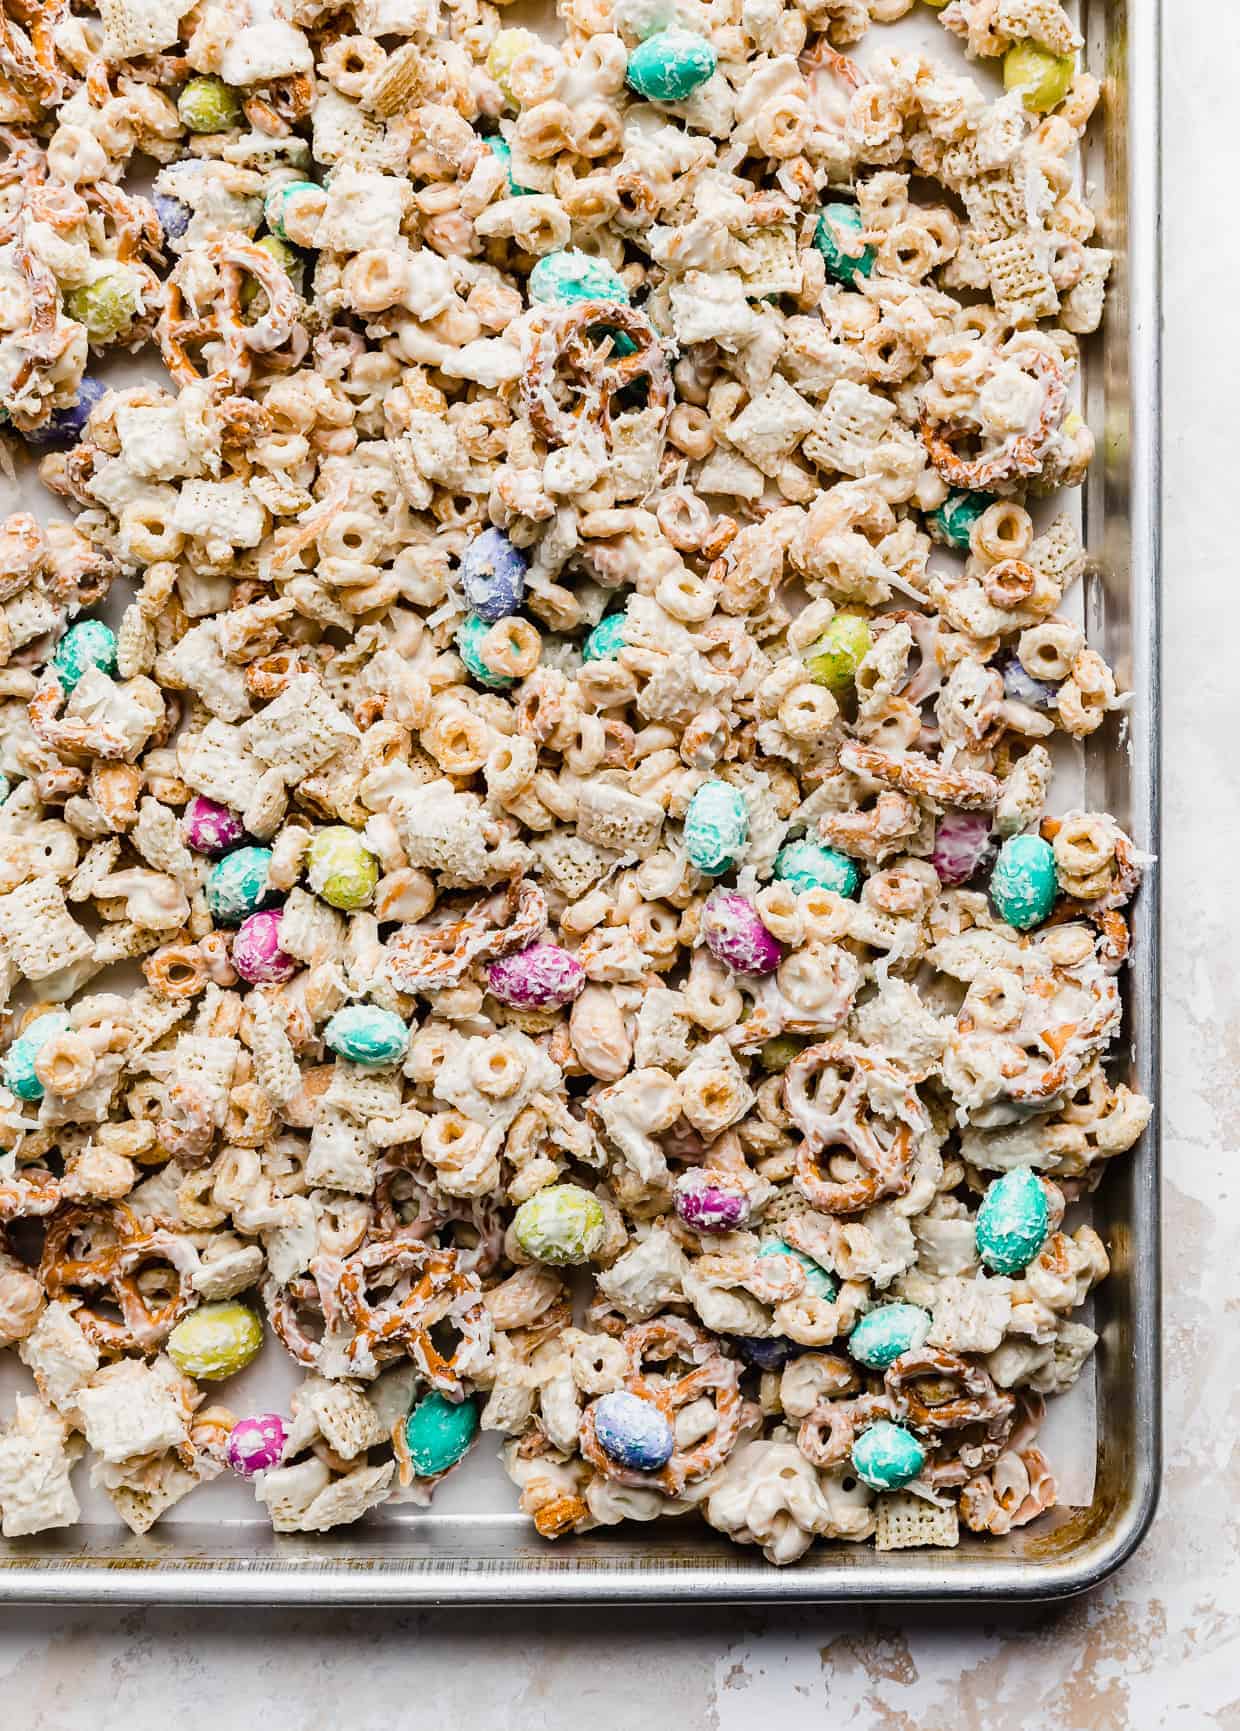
174	217
493	575
65	426
709	1201
762	1354
880	1338
833	661
539	977
469	639
365	1034
1019	686
952	523
238	885
1012	1222
606	640
716	828
256	1444
670	65
341	868
256	952
818	1282
562	278
211	828
89	643
963	846
734	933
807	866
632	1431
562	1224
216	1341
438	1433
18	1063
887	1456
1024	883
837	235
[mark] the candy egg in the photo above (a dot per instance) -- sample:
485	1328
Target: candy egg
887	1456
89	643
211	828
65	426
562	1224
365	1034
606	640
833	661
216	1341
539	977
293	202
256	1444
256	952
807	866
837	235
1019	686
469	639
734	932
1024	883
882	1335
493	575
762	1354
502	151
953	522
108	303
776	1054
670	65
632	1431
341	868
560	278
174	217
716	827
208	105
17	1066
818	1283
238	885
709	1202
438	1433
963	846
506	48
1042	78
1012	1222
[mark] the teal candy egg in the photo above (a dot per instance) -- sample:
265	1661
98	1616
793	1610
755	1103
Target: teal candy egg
881	1336
469	647
89	643
18	1064
1012	1222
670	65
606	640
238	885
837	236
365	1034
1024	883
953	521
807	866
887	1456
562	1224
502	151
561	278
281	198
716	827
438	1432
818	1283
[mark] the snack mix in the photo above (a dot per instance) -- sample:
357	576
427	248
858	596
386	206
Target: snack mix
539	893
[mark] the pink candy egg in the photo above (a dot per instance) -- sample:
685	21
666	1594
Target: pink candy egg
209	827
256	952
963	846
255	1444
735	934
540	977
707	1202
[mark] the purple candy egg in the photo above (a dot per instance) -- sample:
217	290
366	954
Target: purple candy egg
209	827
737	936
963	846
255	1444
256	952
709	1203
540	977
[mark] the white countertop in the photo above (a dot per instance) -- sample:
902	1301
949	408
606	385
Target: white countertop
1159	1647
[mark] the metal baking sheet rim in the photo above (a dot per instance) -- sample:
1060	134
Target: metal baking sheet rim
678	1566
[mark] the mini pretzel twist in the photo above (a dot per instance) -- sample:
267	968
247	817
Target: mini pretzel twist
123	1272
944	1395
235	259
1020	454
882	1143
563	359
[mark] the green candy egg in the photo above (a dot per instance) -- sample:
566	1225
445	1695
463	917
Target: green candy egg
502	151
365	1034
833	661
238	885
887	1456
469	647
18	1063
670	65
208	105
281	197
562	1224
438	1433
775	1055
561	278
89	643
108	304
716	827
953	522
505	50
606	640
1012	1222
818	1283
341	868
882	1336
1042	78
216	1341
807	866
837	235
1024	883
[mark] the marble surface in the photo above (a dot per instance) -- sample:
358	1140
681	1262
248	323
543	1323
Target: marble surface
1159	1647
